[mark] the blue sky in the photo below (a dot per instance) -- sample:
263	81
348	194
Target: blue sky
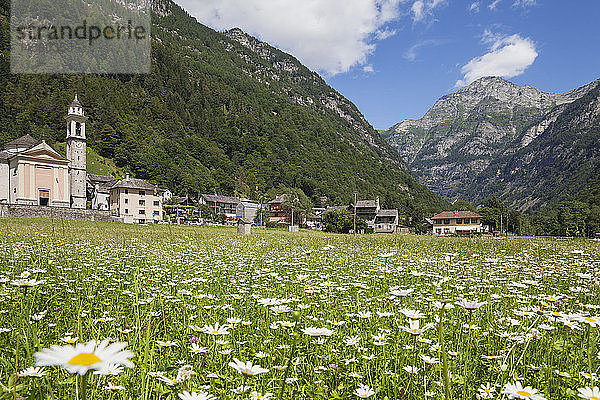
395	58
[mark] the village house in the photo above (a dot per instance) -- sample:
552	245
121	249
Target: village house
456	222
281	212
386	221
246	210
98	190
221	204
380	220
136	201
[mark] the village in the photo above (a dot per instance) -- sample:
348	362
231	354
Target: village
36	180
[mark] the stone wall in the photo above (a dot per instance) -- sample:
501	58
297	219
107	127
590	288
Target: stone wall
24	211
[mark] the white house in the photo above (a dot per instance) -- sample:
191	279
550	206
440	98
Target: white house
451	222
136	201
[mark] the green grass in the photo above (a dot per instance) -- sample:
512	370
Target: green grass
143	284
96	164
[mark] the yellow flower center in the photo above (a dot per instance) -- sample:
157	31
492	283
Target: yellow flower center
594	398
85	359
590	320
215	332
523	393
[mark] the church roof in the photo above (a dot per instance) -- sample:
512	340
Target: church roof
76	102
24	141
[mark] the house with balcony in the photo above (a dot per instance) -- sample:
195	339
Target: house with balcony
456	222
221	204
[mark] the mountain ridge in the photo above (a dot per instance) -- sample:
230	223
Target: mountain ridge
466	134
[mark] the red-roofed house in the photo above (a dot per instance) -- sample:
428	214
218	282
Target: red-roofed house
451	222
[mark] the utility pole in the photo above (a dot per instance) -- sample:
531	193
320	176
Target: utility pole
355	200
260	216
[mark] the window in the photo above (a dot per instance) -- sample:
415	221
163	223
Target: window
156	203
142	212
459	221
474	220
142	193
142	202
446	222
126	191
126	201
126	211
44	197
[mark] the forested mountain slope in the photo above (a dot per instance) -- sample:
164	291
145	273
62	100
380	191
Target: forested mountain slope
220	112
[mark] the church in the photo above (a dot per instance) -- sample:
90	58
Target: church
33	173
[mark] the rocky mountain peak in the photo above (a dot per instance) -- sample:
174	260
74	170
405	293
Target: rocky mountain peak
465	131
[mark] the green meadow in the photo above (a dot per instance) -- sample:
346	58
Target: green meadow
209	314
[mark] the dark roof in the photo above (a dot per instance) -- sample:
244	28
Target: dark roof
456	214
4	156
133	183
279	199
23	141
101	178
366	203
387	213
76	102
104	182
336	208
213	198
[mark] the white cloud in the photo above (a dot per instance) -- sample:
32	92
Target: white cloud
494	4
330	36
421	9
524	3
412	52
368	69
508	56
474	7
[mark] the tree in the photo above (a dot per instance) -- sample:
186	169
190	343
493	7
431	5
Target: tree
341	221
493	212
463	205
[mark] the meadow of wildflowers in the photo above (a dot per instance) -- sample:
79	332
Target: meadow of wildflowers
108	311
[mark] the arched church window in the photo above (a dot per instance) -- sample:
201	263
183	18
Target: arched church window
78	128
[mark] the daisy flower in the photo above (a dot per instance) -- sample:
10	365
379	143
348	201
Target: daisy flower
486	391
363	392
33	371
589	393
247	368
312	331
196	396
83	357
517	391
259	396
216	329
196	349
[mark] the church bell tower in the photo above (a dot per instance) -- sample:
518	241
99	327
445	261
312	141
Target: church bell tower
76	153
